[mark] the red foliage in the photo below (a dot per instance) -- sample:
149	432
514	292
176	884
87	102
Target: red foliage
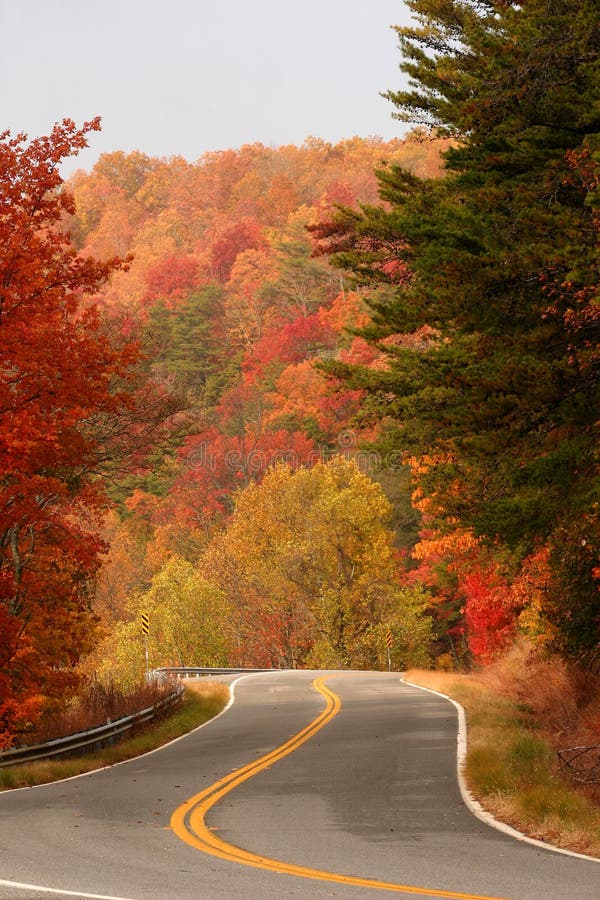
337	193
172	279
55	386
272	635
360	353
214	464
285	343
490	616
470	598
230	240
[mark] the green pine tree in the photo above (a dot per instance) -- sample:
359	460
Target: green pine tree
500	255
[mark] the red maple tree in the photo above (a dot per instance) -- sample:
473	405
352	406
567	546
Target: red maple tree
58	377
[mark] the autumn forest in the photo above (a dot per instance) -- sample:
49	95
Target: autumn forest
288	401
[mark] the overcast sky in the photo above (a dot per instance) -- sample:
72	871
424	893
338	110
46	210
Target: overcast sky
180	77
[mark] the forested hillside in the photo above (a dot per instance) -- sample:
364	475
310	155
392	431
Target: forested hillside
233	310
289	401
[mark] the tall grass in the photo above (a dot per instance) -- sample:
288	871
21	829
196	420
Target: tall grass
562	698
95	705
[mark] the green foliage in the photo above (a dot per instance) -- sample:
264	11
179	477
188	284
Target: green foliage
300	282
406	519
187	349
573	601
401	612
188	626
502	396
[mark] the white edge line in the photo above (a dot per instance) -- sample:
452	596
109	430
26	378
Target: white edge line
475	807
21	886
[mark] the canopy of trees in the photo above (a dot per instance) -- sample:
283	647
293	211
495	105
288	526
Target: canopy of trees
161	389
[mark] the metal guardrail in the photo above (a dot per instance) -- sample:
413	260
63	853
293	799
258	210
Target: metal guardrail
88	741
96	738
193	671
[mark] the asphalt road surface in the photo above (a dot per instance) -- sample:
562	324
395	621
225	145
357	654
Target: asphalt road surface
311	785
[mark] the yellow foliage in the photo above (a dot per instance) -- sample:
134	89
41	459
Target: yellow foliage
310	552
188	621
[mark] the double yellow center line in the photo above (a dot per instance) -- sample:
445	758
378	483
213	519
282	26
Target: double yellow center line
188	821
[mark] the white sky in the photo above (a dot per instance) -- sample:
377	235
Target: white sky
180	77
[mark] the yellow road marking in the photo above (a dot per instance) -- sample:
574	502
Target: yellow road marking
188	820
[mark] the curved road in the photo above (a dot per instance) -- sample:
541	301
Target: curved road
345	787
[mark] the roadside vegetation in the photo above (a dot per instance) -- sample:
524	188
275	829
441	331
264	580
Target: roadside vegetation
201	701
521	711
97	703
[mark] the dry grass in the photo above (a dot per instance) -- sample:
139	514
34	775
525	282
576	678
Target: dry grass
517	712
97	704
562	700
206	687
202	701
566	699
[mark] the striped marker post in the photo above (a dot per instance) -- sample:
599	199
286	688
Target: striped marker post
146	632
389	640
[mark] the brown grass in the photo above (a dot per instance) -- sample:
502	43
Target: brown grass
97	704
206	687
547	687
562	700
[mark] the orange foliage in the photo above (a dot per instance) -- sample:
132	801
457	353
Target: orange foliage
347	311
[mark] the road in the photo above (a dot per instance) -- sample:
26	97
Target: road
360	801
